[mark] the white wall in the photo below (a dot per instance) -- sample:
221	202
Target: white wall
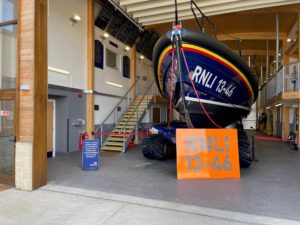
143	69
67	43
110	74
67	51
250	121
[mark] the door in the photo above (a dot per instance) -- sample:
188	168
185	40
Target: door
50	128
7	138
156	115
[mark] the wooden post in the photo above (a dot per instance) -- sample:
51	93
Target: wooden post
298	124
132	68
285	121
31	152
285	57
298	37
90	67
274	121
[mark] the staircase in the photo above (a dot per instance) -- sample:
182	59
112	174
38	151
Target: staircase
124	129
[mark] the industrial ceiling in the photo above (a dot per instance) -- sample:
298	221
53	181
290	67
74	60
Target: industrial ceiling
149	12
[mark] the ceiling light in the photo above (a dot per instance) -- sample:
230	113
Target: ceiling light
127	48
142	57
114	84
279	54
279	104
75	19
288	40
106	35
58	70
269	107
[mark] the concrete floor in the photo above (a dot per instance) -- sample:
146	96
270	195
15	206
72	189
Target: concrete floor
270	188
81	206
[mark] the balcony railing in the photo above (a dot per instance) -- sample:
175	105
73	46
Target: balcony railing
286	80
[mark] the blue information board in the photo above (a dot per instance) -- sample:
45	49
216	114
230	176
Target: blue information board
90	155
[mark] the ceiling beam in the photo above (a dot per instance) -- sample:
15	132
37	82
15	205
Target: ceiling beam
251	36
144	4
185	15
130	2
170	8
255	52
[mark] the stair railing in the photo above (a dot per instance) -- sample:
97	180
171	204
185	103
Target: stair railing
135	113
115	109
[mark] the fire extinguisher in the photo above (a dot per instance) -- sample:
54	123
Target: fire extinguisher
82	137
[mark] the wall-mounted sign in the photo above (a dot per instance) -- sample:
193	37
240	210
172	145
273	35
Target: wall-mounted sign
4	113
207	153
90	155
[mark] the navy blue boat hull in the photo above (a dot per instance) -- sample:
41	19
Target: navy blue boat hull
224	82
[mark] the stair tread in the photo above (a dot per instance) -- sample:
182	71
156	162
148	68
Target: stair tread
111	149
119	135
117	144
116	139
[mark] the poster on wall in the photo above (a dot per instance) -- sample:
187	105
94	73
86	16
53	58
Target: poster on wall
98	54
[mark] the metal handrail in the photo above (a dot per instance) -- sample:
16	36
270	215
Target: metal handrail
136	113
124	96
282	85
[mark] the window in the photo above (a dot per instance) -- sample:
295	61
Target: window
126	66
98	54
112	59
8	43
8	10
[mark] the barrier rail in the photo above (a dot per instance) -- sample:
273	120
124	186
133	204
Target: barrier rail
287	79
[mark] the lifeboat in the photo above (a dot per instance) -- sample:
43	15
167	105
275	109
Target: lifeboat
204	79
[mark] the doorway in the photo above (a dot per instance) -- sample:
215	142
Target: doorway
156	115
7	137
51	128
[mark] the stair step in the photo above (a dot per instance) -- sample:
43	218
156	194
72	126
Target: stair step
121	131
131	116
119	135
127	125
116	139
117	144
131	119
107	148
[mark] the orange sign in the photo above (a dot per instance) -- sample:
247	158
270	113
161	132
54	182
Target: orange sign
207	153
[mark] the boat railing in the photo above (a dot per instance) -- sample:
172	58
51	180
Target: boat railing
287	79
